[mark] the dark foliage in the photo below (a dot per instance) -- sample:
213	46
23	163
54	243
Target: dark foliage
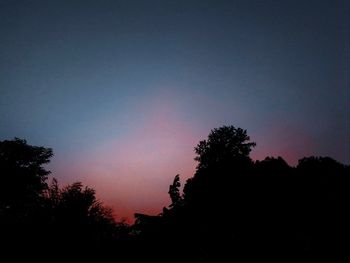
224	145
237	209
231	209
23	178
174	192
34	215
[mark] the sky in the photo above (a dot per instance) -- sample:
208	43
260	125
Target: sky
124	90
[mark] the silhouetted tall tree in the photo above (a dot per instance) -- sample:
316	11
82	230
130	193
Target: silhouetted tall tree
174	192
23	177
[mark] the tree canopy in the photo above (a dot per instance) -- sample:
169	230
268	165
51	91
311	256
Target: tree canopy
23	176
224	144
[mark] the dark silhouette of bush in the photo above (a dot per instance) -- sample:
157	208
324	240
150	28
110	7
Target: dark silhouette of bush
33	214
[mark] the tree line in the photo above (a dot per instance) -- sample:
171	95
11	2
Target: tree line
233	208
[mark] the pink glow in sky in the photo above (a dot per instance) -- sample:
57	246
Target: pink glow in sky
132	171
283	140
124	92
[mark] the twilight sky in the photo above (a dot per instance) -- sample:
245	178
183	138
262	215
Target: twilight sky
123	90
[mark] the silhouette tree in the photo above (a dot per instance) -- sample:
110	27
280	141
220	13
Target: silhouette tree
22	186
263	209
231	209
224	144
222	160
79	219
77	204
174	192
34	214
23	177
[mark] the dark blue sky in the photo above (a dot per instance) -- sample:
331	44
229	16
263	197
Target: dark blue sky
123	90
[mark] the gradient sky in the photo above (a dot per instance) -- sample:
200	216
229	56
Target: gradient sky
123	90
